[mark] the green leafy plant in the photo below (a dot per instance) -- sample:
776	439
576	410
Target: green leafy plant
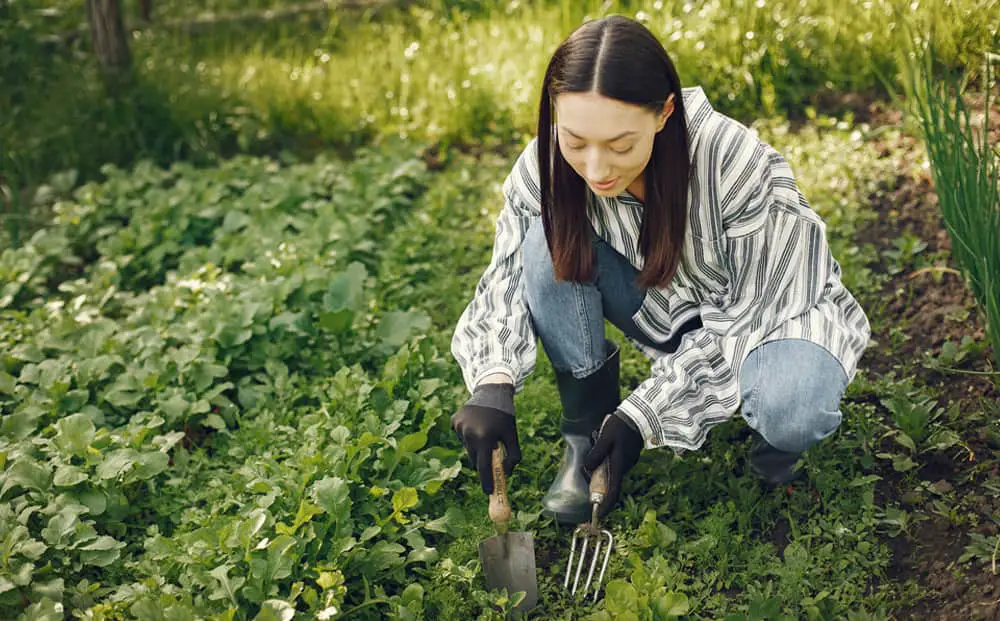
982	549
918	419
644	596
953	355
966	170
164	311
905	249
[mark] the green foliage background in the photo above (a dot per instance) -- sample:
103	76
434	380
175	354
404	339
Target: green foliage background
227	296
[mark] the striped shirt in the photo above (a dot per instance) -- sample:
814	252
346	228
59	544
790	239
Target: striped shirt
755	267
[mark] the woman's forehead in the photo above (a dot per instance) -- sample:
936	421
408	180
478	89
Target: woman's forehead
595	117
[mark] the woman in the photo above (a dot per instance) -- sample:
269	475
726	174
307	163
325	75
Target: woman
688	233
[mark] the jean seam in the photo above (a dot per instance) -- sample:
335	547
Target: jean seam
581	305
755	392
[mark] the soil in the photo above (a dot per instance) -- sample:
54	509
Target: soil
930	307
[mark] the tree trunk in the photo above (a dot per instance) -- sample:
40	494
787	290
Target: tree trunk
107	32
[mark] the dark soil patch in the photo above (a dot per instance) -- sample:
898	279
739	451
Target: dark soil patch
919	310
865	107
929	305
953	591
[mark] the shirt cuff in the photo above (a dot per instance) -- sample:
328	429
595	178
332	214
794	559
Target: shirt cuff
632	414
494	375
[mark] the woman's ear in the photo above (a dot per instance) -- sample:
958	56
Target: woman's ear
668	109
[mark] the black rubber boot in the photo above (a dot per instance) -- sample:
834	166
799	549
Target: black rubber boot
774	467
585	403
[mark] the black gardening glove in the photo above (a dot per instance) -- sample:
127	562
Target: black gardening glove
620	442
486	419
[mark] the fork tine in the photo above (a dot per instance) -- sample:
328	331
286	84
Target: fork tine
580	564
569	565
591	529
604	565
593	564
603	544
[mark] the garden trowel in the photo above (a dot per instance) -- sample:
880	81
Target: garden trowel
508	558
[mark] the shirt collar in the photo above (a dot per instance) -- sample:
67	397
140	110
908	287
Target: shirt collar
697	110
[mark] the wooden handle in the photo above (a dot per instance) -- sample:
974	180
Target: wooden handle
599	482
499	504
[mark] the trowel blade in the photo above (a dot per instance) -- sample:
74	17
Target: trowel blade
509	562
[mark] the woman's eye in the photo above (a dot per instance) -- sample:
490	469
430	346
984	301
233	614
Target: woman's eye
580	147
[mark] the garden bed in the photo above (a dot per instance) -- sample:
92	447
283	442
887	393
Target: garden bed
927	311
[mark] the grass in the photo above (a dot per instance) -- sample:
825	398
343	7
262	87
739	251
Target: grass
439	71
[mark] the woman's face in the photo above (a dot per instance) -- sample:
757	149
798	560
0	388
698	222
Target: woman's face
606	141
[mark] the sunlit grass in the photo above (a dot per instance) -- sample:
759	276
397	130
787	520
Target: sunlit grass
468	75
429	76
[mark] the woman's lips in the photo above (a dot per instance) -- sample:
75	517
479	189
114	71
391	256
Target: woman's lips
606	186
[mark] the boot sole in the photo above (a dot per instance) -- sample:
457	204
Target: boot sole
569	517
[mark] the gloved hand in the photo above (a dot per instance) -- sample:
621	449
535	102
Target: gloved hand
486	419
620	442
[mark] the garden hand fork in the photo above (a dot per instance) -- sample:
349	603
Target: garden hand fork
591	532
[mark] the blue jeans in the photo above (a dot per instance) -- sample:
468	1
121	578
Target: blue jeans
791	388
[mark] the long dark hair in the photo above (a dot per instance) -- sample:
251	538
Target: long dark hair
619	58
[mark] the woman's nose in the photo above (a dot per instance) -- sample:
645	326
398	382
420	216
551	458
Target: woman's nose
597	167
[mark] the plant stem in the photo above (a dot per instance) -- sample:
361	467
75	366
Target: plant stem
954	370
371	602
935	268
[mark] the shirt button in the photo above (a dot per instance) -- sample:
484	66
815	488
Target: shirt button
655	441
